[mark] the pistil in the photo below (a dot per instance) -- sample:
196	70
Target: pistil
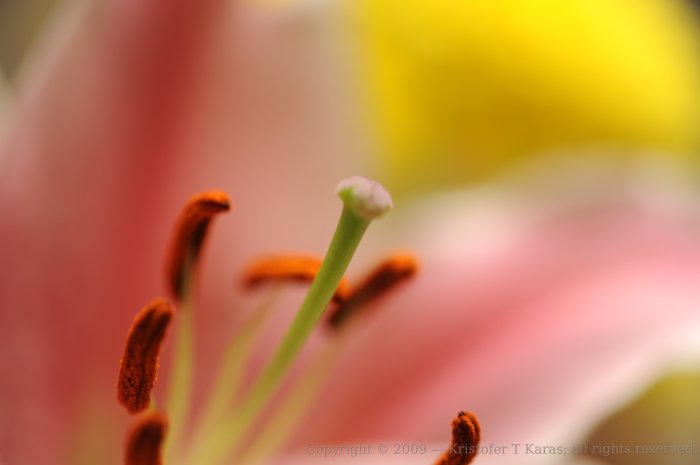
363	201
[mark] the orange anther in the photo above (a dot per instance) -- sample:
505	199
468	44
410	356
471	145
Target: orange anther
388	275
139	364
466	434
145	439
190	232
290	267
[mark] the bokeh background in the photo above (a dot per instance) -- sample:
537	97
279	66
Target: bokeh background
544	158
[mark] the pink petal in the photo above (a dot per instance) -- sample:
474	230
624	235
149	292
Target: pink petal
87	169
538	337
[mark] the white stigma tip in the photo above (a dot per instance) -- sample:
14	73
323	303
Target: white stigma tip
367	198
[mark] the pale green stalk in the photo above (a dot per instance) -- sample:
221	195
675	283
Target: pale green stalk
180	386
230	372
346	239
280	427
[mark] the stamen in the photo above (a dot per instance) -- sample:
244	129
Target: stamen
302	268
189	237
143	446
231	372
190	232
466	434
388	275
139	364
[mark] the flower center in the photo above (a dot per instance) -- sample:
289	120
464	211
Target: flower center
223	424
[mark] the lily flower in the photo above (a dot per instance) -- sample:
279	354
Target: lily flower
537	322
225	424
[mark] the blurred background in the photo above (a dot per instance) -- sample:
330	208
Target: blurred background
548	150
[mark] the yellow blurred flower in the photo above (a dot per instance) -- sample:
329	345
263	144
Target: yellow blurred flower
459	89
